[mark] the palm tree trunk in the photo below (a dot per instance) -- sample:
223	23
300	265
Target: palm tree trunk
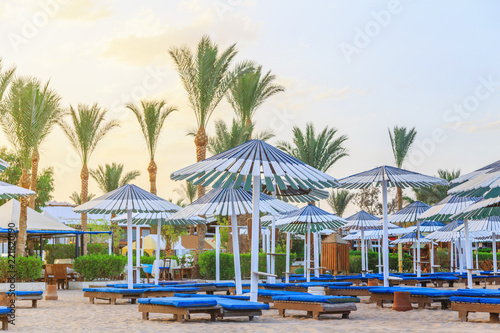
201	141
84	175
152	170
23	216
34	174
400	198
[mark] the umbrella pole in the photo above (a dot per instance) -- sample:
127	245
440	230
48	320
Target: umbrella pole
468	254
287	278
379	263
236	251
477	257
414	260
138	254
305	256
110	241
254	286
419	267
273	245
385	252
308	258
452	266
494	247
217	254
130	276
363	267
432	257
316	255
268	251
158	240
460	255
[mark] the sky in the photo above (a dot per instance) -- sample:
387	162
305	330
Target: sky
361	67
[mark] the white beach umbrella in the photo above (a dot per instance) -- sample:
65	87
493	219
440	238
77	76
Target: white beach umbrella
3	165
248	164
446	208
231	202
127	199
428	226
394	177
8	191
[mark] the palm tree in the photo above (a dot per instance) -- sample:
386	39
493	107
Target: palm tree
207	77
187	192
111	177
250	91
401	141
86	129
151	117
47	101
77	199
239	133
338	201
433	194
5	78
319	151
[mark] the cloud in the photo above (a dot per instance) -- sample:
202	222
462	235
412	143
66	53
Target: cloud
85	10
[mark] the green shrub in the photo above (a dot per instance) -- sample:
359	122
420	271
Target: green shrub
355	262
100	266
27	269
207	264
67	251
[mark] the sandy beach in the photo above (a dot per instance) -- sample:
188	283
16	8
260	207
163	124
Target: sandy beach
73	313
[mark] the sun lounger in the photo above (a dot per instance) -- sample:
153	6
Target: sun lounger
180	307
303	286
135	285
478	293
4	317
208	288
167	291
112	294
355	291
235	306
266	296
464	305
32	296
424	297
316	305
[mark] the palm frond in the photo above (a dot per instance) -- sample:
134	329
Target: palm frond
110	176
401	141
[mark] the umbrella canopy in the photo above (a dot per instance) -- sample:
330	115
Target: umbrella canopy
489	224
446	233
377	234
484	182
8	191
411	238
363	220
153	218
410	213
255	158
3	165
480	210
298	220
445	209
428	226
128	197
297	195
221	201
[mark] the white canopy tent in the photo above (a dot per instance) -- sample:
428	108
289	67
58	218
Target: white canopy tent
9	213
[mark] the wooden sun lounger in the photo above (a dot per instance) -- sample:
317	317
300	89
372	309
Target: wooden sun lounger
347	292
180	314
464	308
4	318
314	310
422	301
33	298
410	282
111	297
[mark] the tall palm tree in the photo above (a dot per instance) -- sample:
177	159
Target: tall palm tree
338	201
433	194
50	111
111	177
207	77
77	199
151	117
250	91
187	192
226	138
320	150
5	78
401	141
87	127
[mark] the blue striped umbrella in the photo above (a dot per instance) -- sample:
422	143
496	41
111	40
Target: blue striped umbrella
409	213
127	199
297	195
254	162
9	191
411	238
153	219
394	177
363	220
444	210
484	182
3	165
428	226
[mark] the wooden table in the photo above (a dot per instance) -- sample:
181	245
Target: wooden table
179	271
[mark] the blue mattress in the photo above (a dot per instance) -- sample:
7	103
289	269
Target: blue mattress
177	289
4	310
478	292
235	304
265	292
116	290
238	297
430	292
323	284
316	298
475	300
353	287
135	285
25	293
180	302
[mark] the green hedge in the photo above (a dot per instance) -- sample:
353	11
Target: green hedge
27	269
207	264
355	261
67	251
100	266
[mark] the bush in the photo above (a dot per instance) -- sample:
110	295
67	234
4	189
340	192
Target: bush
100	266
27	269
206	261
355	261
67	251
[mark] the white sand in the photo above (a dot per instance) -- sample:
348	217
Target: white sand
73	313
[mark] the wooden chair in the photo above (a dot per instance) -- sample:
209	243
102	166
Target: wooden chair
61	276
49	274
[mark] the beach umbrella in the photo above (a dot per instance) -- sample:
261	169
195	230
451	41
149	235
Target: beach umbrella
428	226
250	163
232	202
157	219
409	213
393	177
3	165
362	221
8	191
307	219
446	208
127	199
411	238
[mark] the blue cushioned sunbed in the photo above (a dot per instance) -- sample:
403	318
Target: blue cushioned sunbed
115	290
316	299
4	310
323	284
239	297
180	302
478	292
475	300
135	285
25	293
270	293
353	287
175	289
430	292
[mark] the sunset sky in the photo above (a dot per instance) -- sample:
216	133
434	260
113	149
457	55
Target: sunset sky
361	67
